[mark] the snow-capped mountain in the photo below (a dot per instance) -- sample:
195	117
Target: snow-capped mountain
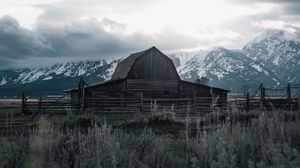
103	68
55	78
279	51
181	58
272	58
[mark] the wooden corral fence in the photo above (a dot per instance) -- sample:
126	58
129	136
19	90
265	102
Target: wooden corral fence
195	106
139	104
269	98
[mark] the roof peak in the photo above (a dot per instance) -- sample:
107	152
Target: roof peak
124	66
152	48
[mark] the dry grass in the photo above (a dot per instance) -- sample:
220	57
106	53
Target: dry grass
270	139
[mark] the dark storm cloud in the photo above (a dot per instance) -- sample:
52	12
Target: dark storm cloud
78	39
17	42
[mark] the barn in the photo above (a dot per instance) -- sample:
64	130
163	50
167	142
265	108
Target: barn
152	74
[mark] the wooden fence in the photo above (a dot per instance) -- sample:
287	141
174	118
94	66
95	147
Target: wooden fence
197	106
179	106
287	98
97	103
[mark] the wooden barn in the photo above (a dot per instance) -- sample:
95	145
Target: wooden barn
152	74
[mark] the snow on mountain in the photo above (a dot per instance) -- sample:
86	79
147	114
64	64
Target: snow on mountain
180	58
3	81
272	58
278	51
103	68
187	62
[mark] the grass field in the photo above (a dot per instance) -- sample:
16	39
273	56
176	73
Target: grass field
231	139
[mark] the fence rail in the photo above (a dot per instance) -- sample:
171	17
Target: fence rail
99	103
123	105
196	105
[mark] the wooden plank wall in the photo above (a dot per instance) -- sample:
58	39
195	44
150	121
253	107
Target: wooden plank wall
153	89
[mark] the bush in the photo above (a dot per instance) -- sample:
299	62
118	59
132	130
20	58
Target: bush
264	143
14	151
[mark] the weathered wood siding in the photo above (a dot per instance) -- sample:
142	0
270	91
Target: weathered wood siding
153	74
188	89
113	88
153	88
153	66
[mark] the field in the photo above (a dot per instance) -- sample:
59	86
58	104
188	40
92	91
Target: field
234	138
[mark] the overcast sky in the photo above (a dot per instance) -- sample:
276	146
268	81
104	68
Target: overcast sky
41	32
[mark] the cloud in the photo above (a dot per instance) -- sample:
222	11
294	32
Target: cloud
78	9
287	7
75	29
17	42
82	39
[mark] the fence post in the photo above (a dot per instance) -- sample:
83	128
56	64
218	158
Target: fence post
40	104
142	102
195	102
23	103
82	106
247	102
299	102
264	93
81	95
261	92
289	91
289	96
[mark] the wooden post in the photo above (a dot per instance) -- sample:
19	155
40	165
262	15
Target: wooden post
142	102
23	103
82	103
299	102
289	91
261	92
195	102
81	95
264	93
289	96
40	105
247	102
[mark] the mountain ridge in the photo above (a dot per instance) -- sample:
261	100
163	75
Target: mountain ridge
272	58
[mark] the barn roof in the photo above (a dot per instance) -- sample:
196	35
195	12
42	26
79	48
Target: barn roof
124	66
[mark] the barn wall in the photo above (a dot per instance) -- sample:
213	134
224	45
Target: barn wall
153	88
191	90
74	98
113	89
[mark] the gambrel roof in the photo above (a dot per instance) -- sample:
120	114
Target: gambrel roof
123	68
